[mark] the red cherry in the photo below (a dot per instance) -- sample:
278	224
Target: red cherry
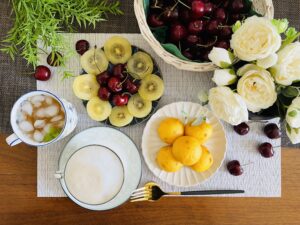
131	87
120	99
185	15
104	93
266	150
118	71
191	40
103	78
187	53
198	9
223	44
82	46
234	167
220	14
170	14
195	27
53	60
225	32
177	33
42	73
212	27
155	21
208	8
237	6
115	84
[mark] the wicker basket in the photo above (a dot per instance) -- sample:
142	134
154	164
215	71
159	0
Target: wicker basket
264	7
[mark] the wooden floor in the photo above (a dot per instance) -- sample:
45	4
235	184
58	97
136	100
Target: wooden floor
19	204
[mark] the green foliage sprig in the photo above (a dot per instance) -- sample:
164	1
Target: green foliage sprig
42	20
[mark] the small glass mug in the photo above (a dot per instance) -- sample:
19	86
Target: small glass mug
18	136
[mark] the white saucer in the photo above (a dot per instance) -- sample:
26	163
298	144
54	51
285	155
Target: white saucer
122	146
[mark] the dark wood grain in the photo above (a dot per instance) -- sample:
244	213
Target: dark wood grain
19	204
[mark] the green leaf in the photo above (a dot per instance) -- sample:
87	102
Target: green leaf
236	26
160	33
288	128
290	92
173	49
146	6
291	35
292	113
281	25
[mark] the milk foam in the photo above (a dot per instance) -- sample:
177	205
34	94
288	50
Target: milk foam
94	175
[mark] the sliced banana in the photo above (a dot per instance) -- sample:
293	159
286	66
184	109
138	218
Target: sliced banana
94	61
140	65
117	50
98	110
139	107
152	87
120	116
85	86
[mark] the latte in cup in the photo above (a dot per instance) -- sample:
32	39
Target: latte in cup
41	118
94	175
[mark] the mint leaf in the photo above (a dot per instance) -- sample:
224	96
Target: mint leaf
236	26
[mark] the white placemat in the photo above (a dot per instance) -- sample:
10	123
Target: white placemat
261	178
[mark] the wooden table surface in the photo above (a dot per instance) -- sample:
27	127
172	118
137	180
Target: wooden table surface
19	204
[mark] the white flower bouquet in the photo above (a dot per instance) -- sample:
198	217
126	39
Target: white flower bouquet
260	74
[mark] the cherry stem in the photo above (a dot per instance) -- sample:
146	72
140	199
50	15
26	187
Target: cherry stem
279	146
182	3
124	79
210	44
127	93
247	164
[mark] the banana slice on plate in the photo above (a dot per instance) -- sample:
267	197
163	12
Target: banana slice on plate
85	86
120	116
94	61
117	50
139	107
98	109
152	87
140	65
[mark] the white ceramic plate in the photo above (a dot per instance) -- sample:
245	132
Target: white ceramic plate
122	146
151	143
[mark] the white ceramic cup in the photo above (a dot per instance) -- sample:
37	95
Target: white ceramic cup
18	136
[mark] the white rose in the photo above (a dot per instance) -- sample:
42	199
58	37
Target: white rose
224	77
293	134
257	88
221	57
287	68
228	105
293	113
268	62
257	38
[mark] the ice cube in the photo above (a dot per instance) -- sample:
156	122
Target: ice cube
37	98
57	118
26	126
41	113
38	136
39	123
60	124
27	108
49	100
52	110
21	116
47	128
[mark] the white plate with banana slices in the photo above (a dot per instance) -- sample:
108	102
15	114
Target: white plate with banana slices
152	144
120	84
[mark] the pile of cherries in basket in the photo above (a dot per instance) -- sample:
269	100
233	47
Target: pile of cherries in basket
196	26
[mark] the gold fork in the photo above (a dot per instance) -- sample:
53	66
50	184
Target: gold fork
152	192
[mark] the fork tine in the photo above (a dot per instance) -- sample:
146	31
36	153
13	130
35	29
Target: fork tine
139	189
141	196
140	193
139	200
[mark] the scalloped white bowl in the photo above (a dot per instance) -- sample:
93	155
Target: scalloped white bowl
151	143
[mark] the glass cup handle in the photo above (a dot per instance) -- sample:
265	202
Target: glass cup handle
13	140
58	175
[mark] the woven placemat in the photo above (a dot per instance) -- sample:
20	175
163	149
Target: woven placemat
262	178
14	81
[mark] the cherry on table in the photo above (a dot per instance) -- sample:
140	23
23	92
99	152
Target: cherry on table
103	78
42	73
53	59
82	46
234	167
120	99
272	131
242	129
104	93
266	150
115	84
